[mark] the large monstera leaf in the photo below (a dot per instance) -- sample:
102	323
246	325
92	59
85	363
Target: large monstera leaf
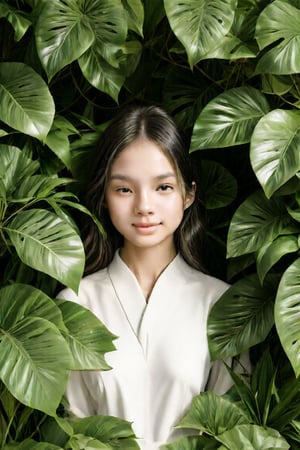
34	357
287	310
279	26
274	150
229	119
26	104
200	24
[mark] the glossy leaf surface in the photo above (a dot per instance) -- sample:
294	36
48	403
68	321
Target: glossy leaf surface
90	341
47	243
26	103
242	317
257	221
34	357
274	150
252	437
287	313
229	119
199	24
279	22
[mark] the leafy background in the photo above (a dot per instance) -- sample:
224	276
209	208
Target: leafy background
228	72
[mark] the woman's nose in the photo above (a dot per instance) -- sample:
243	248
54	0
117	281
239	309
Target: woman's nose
144	204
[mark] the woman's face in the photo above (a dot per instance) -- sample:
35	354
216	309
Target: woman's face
144	196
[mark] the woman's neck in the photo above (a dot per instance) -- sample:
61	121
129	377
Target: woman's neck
147	264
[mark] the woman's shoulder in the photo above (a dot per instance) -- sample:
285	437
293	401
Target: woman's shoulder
202	282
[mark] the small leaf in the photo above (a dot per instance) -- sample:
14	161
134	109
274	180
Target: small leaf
274	151
26	103
270	253
242	317
47	243
287	312
229	119
135	15
18	20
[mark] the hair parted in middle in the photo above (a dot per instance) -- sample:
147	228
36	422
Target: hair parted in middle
155	124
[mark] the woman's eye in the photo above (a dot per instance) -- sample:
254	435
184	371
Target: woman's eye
165	187
123	190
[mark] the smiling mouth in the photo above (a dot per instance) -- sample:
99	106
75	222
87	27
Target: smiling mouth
146	225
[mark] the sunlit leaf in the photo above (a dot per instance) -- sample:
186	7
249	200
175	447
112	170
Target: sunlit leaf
34	357
59	25
270	253
47	243
213	414
30	444
287	314
19	22
26	103
257	221
15	166
252	437
115	432
135	15
279	21
229	119
90	341
274	150
199	24
242	317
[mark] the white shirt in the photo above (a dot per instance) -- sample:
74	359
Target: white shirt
161	359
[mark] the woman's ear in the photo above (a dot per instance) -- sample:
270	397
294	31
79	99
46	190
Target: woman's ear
190	196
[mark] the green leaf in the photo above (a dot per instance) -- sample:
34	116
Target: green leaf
219	185
26	103
242	317
279	21
212	414
30	301
47	243
199	24
252	437
135	15
229	119
60	24
37	187
270	253
58	139
30	444
90	341
101	74
15	167
274	150
34	357
116	433
257	221
189	443
16	18
287	312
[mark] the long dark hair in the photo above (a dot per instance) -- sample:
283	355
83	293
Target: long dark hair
155	124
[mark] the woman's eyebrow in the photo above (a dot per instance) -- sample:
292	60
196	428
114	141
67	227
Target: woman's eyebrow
121	177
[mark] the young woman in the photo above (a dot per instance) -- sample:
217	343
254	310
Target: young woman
145	279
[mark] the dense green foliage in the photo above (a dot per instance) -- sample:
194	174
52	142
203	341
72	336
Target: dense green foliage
228	71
